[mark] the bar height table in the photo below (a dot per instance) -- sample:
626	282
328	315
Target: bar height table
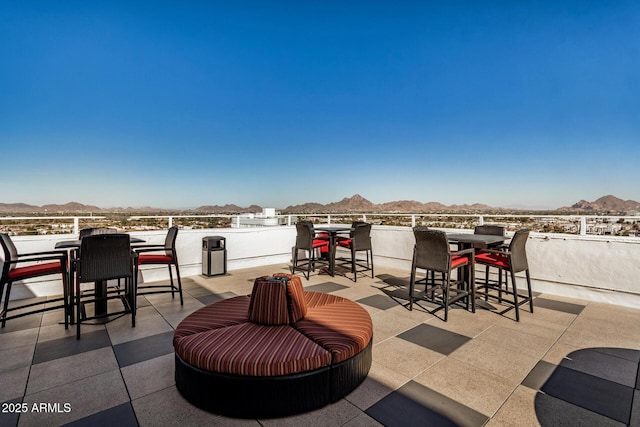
100	288
333	232
468	240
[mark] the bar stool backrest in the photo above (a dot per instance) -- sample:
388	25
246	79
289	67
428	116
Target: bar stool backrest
432	250
170	241
518	252
493	230
304	238
10	253
96	230
361	237
105	257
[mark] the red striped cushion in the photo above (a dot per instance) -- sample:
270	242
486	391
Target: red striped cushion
254	350
295	296
154	259
317	299
493	259
217	315
35	270
269	302
344	328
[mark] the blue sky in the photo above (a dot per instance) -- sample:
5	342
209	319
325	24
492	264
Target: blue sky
178	104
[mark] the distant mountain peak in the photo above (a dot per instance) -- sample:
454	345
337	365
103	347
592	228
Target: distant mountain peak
355	202
605	204
359	204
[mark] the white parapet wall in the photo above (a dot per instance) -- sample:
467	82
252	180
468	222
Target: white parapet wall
585	267
246	247
605	269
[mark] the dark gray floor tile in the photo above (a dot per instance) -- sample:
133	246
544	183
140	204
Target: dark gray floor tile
623	353
121	416
196	292
211	298
436	339
416	405
325	287
635	411
10	413
598	395
566	307
143	349
602	365
400	299
398	290
539	375
378	301
552	412
68	346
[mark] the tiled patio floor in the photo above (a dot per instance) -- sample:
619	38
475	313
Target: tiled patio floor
572	362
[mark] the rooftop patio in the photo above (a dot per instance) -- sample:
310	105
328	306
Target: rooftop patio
572	362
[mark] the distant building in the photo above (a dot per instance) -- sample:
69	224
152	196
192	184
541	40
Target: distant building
266	218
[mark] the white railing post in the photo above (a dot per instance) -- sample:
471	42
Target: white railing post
76	225
170	221
288	219
583	225
413	220
329	219
364	217
480	220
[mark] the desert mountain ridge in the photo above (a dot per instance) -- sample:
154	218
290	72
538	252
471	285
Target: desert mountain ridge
353	204
605	204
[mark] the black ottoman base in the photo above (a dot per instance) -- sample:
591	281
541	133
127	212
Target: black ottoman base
348	375
242	396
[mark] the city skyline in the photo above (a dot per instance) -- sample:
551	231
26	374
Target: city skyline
532	105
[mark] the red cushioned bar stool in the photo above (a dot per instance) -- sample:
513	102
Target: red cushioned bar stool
359	240
161	255
433	254
37	264
307	241
512	260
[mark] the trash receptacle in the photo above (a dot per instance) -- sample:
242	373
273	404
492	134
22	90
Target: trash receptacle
214	256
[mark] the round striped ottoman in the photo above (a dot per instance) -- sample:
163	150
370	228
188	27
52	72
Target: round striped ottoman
278	352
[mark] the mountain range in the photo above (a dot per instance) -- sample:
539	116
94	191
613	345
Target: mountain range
605	204
356	203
